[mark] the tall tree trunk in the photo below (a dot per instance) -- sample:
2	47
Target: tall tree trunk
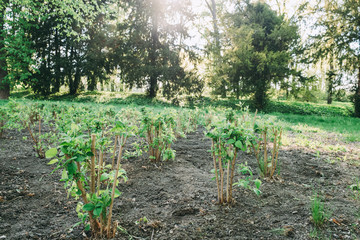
287	93
330	82
4	84
357	96
57	83
217	50
70	70
236	84
260	96
77	77
91	82
153	55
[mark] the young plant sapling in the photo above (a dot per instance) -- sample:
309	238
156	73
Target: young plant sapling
159	133
318	213
266	147
227	140
28	117
3	119
248	182
86	176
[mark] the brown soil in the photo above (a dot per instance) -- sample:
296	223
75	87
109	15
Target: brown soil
178	197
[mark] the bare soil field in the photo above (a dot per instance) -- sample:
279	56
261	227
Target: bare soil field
178	198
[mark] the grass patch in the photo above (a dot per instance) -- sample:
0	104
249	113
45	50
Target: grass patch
347	126
110	98
292	107
317	211
305	108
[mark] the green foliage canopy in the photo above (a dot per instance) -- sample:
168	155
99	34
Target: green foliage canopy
258	51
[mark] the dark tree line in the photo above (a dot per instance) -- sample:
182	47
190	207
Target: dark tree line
251	48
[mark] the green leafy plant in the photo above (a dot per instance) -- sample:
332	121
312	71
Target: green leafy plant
355	188
267	156
227	140
159	133
29	117
87	177
187	121
3	119
248	182
317	211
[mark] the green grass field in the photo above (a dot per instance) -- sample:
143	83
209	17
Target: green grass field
349	127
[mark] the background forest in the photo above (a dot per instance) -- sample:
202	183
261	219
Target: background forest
242	49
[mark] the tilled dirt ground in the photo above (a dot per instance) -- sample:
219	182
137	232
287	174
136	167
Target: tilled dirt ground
178	198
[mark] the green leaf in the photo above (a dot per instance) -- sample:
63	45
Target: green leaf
108	166
97	211
238	144
104	177
257	183
64	175
88	207
230	141
257	191
53	161
117	193
51	153
80	158
71	167
87	227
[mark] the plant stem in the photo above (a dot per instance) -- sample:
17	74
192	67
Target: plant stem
99	171
232	175
113	159
215	167
273	154
277	150
221	173
265	155
228	180
257	153
92	183
93	222
254	118
122	142
39	142
34	140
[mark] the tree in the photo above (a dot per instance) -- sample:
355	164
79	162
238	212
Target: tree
339	36
319	50
44	44
151	47
217	80
68	54
258	51
4	85
15	46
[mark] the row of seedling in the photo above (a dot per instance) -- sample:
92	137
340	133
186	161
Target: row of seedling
90	147
247	134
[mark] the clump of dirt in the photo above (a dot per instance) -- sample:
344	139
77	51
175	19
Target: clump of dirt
177	199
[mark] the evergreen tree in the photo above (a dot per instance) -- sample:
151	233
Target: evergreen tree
338	37
151	46
258	51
